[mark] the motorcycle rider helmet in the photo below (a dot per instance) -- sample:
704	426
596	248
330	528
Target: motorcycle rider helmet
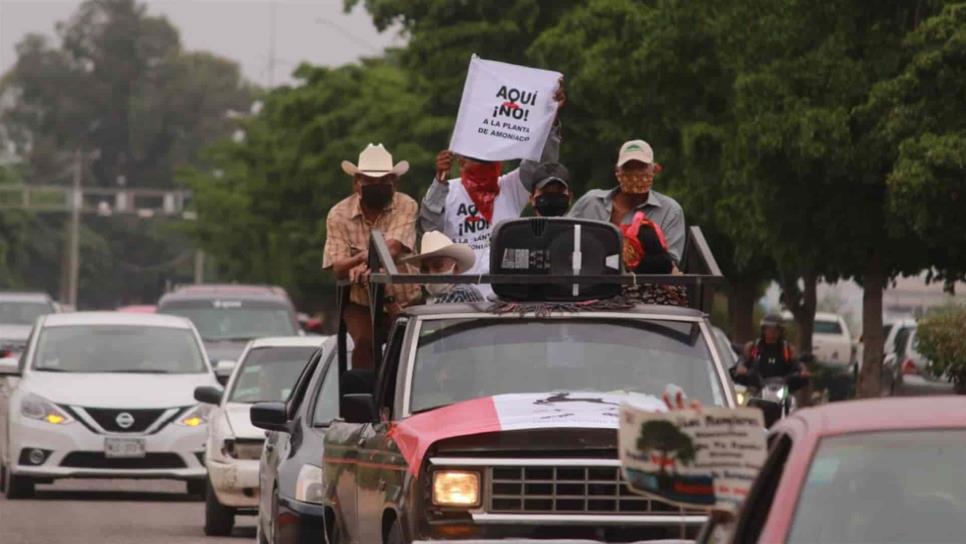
773	320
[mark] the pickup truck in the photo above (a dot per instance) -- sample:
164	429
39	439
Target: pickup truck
489	423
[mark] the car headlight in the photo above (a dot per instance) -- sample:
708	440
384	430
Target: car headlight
194	417
308	488
37	407
741	395
456	488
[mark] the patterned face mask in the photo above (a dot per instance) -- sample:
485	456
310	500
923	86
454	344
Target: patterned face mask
635	182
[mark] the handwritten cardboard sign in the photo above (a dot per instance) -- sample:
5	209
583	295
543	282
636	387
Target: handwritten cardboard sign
695	459
506	112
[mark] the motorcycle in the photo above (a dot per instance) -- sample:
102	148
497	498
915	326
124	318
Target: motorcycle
772	395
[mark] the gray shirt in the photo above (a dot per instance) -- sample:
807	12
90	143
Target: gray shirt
432	212
598	204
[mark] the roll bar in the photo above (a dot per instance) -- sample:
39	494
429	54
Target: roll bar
700	271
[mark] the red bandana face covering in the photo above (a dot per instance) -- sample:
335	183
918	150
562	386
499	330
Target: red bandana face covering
481	181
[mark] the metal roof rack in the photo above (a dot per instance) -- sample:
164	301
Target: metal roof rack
699	267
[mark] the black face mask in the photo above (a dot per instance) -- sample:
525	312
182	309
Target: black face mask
551	205
377	197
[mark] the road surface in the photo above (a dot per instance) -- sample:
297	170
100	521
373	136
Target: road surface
112	512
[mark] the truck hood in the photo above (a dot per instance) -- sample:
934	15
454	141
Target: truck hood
237	414
414	435
101	390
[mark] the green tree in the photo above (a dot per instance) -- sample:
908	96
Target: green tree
262	201
920	113
120	84
664	437
943	344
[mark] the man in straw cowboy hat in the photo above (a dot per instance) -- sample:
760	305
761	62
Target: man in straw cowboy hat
374	204
439	255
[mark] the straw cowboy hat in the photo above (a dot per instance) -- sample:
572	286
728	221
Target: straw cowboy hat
375	162
436	244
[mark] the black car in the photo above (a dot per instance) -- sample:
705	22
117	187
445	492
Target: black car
290	478
228	316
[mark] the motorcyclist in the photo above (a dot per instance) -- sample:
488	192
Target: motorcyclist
771	355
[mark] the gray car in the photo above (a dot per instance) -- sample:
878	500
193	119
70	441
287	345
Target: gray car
229	316
18	312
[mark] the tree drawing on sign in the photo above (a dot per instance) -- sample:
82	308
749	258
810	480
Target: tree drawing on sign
666	445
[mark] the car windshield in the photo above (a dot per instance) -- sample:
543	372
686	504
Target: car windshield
268	374
827	327
235	320
896	486
127	348
23	313
460	359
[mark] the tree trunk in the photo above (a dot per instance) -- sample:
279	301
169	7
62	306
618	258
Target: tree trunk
869	385
741	306
802	303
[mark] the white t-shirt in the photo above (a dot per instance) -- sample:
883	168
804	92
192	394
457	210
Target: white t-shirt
465	225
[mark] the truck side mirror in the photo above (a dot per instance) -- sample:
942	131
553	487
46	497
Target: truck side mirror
357	408
208	394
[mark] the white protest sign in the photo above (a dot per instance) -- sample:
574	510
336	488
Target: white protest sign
506	112
704	458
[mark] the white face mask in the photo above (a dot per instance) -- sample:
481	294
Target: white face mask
437	289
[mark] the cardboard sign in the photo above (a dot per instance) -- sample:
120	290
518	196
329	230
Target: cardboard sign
506	112
695	459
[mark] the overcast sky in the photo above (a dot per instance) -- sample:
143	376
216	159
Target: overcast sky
306	30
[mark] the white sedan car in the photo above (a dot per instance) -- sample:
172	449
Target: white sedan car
266	371
104	395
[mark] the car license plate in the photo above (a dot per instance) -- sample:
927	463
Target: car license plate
124	447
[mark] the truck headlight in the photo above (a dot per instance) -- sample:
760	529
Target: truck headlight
194	417
37	407
456	488
308	487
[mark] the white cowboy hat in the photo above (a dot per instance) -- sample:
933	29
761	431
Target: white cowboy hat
436	244
376	162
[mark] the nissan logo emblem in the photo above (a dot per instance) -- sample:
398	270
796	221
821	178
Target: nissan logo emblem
124	420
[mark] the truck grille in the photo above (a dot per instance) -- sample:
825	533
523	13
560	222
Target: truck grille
566	490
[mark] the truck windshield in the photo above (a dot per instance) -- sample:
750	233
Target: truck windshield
128	349
23	313
268	374
461	359
235	320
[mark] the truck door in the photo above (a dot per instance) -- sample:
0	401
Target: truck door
379	476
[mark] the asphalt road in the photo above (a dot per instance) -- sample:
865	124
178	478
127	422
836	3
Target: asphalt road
112	512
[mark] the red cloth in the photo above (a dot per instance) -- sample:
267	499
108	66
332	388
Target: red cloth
482	182
415	434
632	235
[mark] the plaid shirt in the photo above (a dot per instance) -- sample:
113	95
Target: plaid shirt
347	234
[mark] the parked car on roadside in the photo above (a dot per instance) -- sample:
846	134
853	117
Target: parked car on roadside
907	372
879	470
229	316
290	474
832	343
18	313
104	395
266	371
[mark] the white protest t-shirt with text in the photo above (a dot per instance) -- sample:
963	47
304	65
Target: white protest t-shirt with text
464	224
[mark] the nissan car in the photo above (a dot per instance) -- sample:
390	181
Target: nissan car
104	395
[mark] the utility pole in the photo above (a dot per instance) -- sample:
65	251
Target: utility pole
73	267
199	266
271	47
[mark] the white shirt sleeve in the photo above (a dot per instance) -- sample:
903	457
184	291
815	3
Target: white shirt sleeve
517	194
